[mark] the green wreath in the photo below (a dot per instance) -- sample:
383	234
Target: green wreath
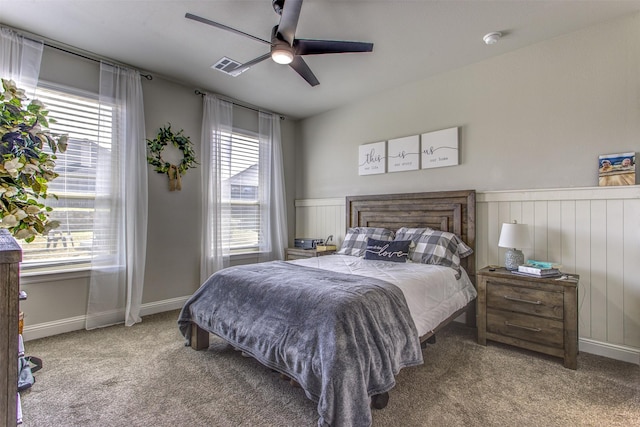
183	143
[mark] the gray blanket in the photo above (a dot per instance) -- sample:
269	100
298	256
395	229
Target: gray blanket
342	337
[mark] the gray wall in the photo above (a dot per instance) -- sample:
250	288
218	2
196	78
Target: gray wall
173	246
534	118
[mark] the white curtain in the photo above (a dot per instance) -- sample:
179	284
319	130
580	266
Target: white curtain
20	60
120	223
273	209
217	126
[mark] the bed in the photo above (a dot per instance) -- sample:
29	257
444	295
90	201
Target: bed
342	326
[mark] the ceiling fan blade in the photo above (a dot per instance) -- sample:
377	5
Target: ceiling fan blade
223	27
249	64
289	20
303	69
319	47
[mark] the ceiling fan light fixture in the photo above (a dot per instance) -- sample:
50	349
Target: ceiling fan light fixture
282	55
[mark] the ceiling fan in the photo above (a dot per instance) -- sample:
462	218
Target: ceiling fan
285	48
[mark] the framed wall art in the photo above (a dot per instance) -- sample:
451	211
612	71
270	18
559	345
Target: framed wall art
403	154
617	169
372	158
440	148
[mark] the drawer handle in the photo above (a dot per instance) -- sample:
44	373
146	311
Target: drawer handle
523	327
507	297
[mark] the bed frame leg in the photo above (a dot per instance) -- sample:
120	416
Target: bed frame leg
471	315
380	401
199	338
430	340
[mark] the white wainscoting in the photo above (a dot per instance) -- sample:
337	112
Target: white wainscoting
320	218
593	232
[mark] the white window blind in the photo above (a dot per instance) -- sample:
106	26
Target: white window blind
89	130
241	176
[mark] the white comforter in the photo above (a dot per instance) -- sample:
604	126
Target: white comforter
432	292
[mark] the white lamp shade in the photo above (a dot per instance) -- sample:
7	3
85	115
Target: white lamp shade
514	236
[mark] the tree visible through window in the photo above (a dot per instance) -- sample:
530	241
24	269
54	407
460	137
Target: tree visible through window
89	128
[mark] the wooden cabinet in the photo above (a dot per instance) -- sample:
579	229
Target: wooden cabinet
298	253
539	314
10	257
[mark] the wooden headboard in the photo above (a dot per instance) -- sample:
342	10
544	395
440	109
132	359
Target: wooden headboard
453	211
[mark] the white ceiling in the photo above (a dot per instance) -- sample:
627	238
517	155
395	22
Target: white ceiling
412	40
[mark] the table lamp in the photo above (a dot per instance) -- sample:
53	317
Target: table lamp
514	236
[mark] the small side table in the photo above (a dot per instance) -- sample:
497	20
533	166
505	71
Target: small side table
298	253
539	314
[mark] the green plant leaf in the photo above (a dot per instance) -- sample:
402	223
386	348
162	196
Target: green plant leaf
26	169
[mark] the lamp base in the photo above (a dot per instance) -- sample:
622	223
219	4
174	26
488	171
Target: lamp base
513	258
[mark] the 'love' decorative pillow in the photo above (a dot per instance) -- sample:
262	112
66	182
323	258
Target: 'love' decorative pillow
395	251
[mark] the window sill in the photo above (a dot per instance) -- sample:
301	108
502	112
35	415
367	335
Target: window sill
82	271
54	274
244	256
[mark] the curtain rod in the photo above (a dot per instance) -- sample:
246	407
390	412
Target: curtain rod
248	107
146	76
72	50
97	58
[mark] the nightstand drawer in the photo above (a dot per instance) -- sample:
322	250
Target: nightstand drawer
526	327
525	300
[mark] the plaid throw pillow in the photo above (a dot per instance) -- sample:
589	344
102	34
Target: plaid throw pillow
355	242
441	248
406	233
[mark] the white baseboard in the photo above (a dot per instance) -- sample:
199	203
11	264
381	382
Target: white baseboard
162	306
47	329
612	351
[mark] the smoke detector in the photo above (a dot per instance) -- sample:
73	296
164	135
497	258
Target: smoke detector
492	38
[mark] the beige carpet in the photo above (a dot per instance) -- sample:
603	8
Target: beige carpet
145	376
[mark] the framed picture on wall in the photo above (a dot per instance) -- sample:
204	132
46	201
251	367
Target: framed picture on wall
403	154
617	169
372	158
440	148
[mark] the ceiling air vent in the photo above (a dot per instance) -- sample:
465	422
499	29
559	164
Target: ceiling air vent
227	65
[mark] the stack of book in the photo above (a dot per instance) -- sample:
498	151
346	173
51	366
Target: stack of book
542	264
530	270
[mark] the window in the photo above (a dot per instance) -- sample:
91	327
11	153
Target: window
241	177
89	128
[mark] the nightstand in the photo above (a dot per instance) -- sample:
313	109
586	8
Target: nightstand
539	314
298	253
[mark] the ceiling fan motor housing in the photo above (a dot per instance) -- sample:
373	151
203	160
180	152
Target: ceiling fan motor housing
281	51
277	6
